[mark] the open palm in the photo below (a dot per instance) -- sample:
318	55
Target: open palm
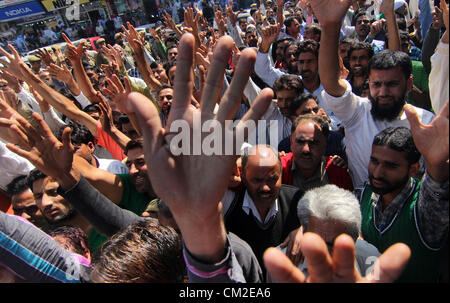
330	11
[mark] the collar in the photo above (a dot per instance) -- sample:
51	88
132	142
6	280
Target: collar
320	174
248	205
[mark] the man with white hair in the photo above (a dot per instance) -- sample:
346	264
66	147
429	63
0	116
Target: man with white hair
330	211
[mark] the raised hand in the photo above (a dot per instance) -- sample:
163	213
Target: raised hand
432	140
269	35
338	268
73	53
174	174
15	64
45	56
45	107
119	93
134	39
330	11
42	148
387	7
62	73
11	81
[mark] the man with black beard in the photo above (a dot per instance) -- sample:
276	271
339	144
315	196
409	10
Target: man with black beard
390	80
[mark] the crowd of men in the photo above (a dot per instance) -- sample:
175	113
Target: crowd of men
339	162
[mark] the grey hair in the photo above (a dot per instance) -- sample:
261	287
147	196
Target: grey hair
330	202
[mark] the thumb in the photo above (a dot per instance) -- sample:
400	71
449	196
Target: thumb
413	116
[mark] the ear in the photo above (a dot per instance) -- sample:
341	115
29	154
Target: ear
414	169
91	147
409	84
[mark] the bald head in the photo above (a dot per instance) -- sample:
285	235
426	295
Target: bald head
260	156
261	174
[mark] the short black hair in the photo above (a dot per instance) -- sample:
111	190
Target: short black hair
33	176
357	45
132	144
168	65
79	134
75	239
18	185
308	46
288	82
164	86
360	12
399	139
389	59
319	120
300	100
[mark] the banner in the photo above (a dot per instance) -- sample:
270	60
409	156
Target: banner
21	10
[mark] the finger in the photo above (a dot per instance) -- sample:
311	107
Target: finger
413	117
183	83
5	53
18	133
66	39
390	264
149	121
233	96
344	260
444	111
14	51
256	111
281	268
215	78
318	258
108	92
43	128
21	152
112	85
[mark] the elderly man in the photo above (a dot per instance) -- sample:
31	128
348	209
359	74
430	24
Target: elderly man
330	211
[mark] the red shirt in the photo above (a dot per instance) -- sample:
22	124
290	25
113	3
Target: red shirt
336	175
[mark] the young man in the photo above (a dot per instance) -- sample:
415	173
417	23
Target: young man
396	207
389	82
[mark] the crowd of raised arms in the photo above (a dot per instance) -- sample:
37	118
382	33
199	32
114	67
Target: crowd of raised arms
287	141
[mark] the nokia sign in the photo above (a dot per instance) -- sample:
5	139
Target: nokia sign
21	10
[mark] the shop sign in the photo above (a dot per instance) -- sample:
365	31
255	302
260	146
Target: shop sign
21	10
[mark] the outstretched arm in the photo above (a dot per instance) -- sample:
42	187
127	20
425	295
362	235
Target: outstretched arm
17	67
330	14
192	201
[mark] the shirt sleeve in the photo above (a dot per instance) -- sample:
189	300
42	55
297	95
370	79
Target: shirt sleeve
347	108
106	217
265	70
34	256
438	79
433	211
84	102
227	270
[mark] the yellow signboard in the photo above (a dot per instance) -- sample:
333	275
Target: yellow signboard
51	5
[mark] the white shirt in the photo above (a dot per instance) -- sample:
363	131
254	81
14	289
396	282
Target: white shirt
361	128
113	166
248	205
11	165
438	79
